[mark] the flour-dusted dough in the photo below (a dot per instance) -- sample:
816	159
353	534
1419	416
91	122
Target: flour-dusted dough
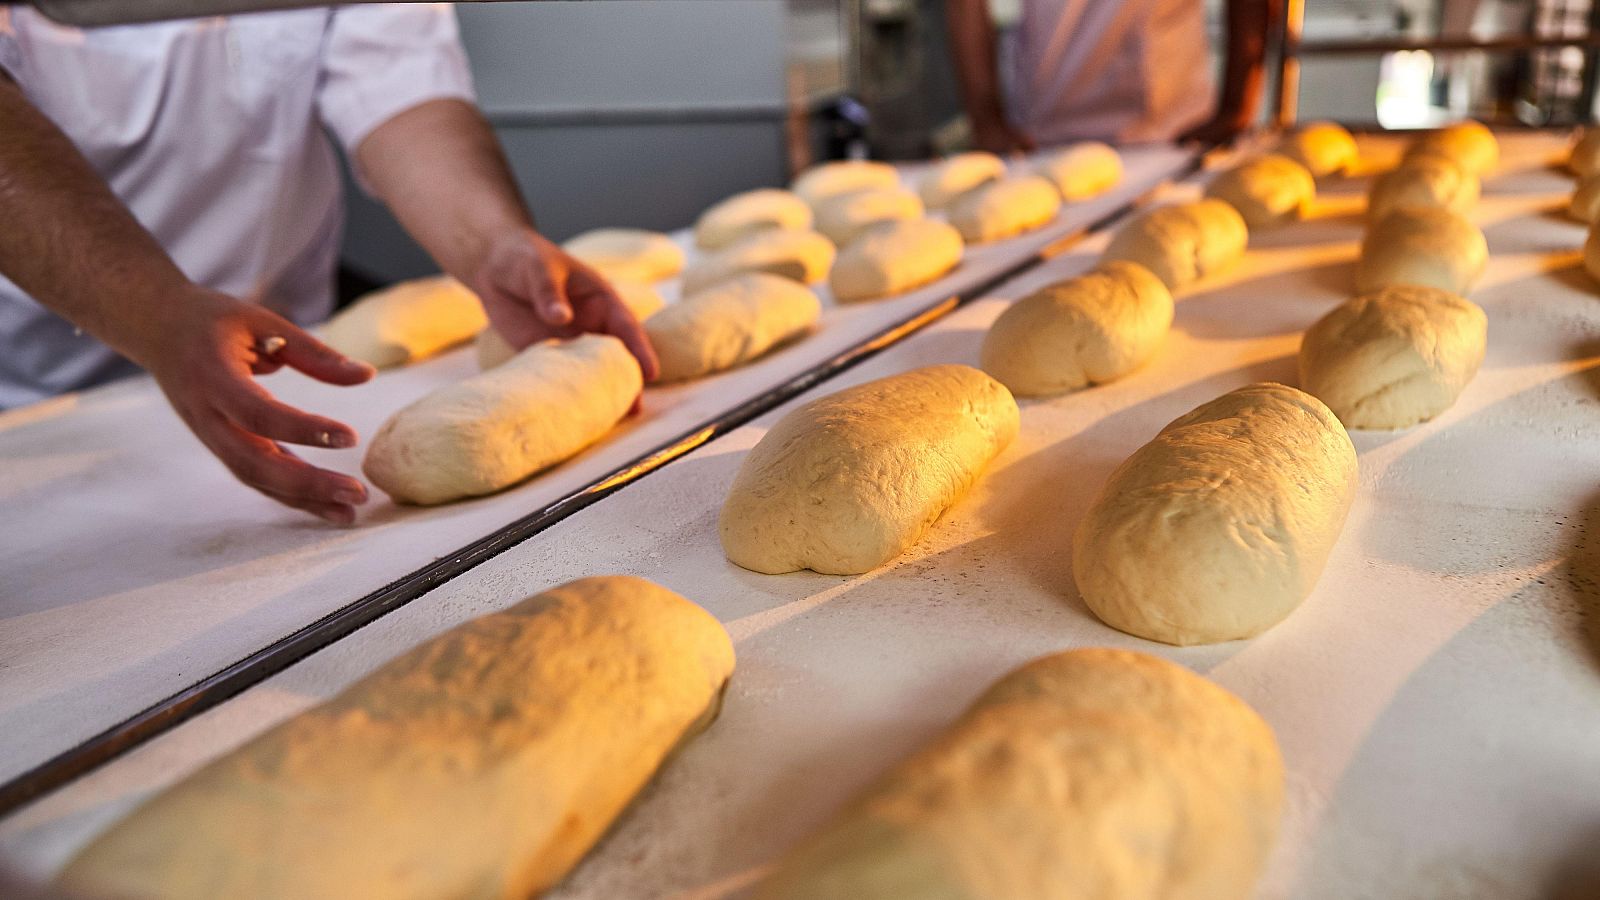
631	254
1422	245
1219	527
893	259
1082	171
501	426
483	763
1423	179
1468	143
1324	148
802	256
1267	191
406	322
1086	330
1093	774
1004	208
843	218
643	300
1393	358
1585	157
951	177
1183	242
847	482
744	214
731	322
1585	204
830	179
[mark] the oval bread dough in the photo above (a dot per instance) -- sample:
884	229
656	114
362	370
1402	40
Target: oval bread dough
1086	330
1220	526
632	254
845	483
731	322
1585	157
831	179
953	176
447	772
745	214
406	322
643	300
843	218
1267	191
1423	179
496	428
1086	775
1082	171
1004	208
1183	242
1585	205
1591	252
1324	148
1468	143
802	256
1393	358
1422	245
893	259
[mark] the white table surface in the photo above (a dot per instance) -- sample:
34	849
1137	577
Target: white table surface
1437	698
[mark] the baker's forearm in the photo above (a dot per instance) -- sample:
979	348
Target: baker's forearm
441	172
972	44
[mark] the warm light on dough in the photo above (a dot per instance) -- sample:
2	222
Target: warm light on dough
1591	252
729	323
1423	179
1470	144
1093	774
1267	191
407	322
803	256
951	177
631	254
1324	148
1183	242
1220	526
830	179
847	482
1421	245
643	300
843	218
1585	204
1005	208
895	258
745	214
1082	171
484	762
1585	157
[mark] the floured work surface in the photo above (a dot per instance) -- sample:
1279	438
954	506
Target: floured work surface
134	565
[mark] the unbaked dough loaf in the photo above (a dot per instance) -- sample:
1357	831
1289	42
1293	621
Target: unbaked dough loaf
1082	171
631	254
643	300
1267	191
830	179
1004	208
803	256
955	175
406	322
1585	157
1220	526
1182	243
744	214
1093	774
483	763
1086	330
846	483
1324	148
1393	358
1468	143
731	322
1585	205
1423	179
498	427
1422	245
843	218
893	259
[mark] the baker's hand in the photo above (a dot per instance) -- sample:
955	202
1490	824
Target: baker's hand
1002	138
1220	130
205	359
534	290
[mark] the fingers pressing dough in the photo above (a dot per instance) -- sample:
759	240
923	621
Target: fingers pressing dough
1004	208
729	323
744	214
643	300
1183	242
1267	192
895	258
407	322
1427	246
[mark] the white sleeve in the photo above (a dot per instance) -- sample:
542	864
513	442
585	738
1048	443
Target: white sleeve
380	60
10	51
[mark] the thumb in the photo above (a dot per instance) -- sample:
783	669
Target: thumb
305	353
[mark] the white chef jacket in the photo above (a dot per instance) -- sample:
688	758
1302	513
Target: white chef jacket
211	131
1117	70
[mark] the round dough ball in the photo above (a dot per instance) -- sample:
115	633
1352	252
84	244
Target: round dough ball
1082	171
831	179
1324	148
1468	143
632	254
1268	191
1086	330
1422	245
731	322
1005	208
843	218
1183	242
803	256
1393	358
955	175
744	214
894	258
1585	157
1425	179
1591	252
1585	204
